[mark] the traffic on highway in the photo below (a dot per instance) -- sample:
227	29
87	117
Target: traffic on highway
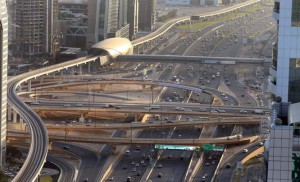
134	107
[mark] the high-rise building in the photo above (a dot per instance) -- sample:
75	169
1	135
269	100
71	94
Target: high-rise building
123	9
3	77
36	22
133	18
73	20
284	80
103	18
147	15
284	85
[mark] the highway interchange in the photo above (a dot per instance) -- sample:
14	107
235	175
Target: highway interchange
194	75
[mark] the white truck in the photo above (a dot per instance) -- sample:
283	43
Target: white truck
258	111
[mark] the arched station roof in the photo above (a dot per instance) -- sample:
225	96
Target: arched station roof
114	47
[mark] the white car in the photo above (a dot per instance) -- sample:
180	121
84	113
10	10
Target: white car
35	103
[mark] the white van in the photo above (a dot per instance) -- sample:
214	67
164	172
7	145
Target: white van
154	107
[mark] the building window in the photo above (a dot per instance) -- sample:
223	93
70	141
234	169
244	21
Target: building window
274	57
294	80
276	7
296	167
296	13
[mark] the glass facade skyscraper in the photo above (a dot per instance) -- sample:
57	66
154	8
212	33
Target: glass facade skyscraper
103	21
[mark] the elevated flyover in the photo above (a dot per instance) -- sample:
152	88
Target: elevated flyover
141	141
210	91
137	125
85	110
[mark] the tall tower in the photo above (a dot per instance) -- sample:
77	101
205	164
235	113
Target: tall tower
103	18
3	77
123	8
147	15
133	18
35	20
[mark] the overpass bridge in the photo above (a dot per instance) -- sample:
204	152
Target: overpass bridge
141	141
191	88
89	111
164	124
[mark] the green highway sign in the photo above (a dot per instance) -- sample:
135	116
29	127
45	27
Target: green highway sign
175	147
209	147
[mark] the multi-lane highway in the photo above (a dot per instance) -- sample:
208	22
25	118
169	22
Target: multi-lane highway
39	146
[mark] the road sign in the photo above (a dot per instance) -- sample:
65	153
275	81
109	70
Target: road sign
175	147
209	147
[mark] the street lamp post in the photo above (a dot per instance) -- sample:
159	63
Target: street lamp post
131	133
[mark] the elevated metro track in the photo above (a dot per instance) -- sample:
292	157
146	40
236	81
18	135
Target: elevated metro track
190	59
168	25
39	139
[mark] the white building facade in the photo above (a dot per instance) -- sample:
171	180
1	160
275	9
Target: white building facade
284	81
3	77
284	78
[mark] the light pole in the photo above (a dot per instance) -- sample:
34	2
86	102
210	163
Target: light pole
131	132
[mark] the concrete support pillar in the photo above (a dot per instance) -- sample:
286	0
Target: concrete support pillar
188	93
29	85
80	69
152	96
102	86
72	70
198	154
50	146
89	67
21	121
143	48
8	113
114	149
136	117
81	119
15	115
155	154
42	79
